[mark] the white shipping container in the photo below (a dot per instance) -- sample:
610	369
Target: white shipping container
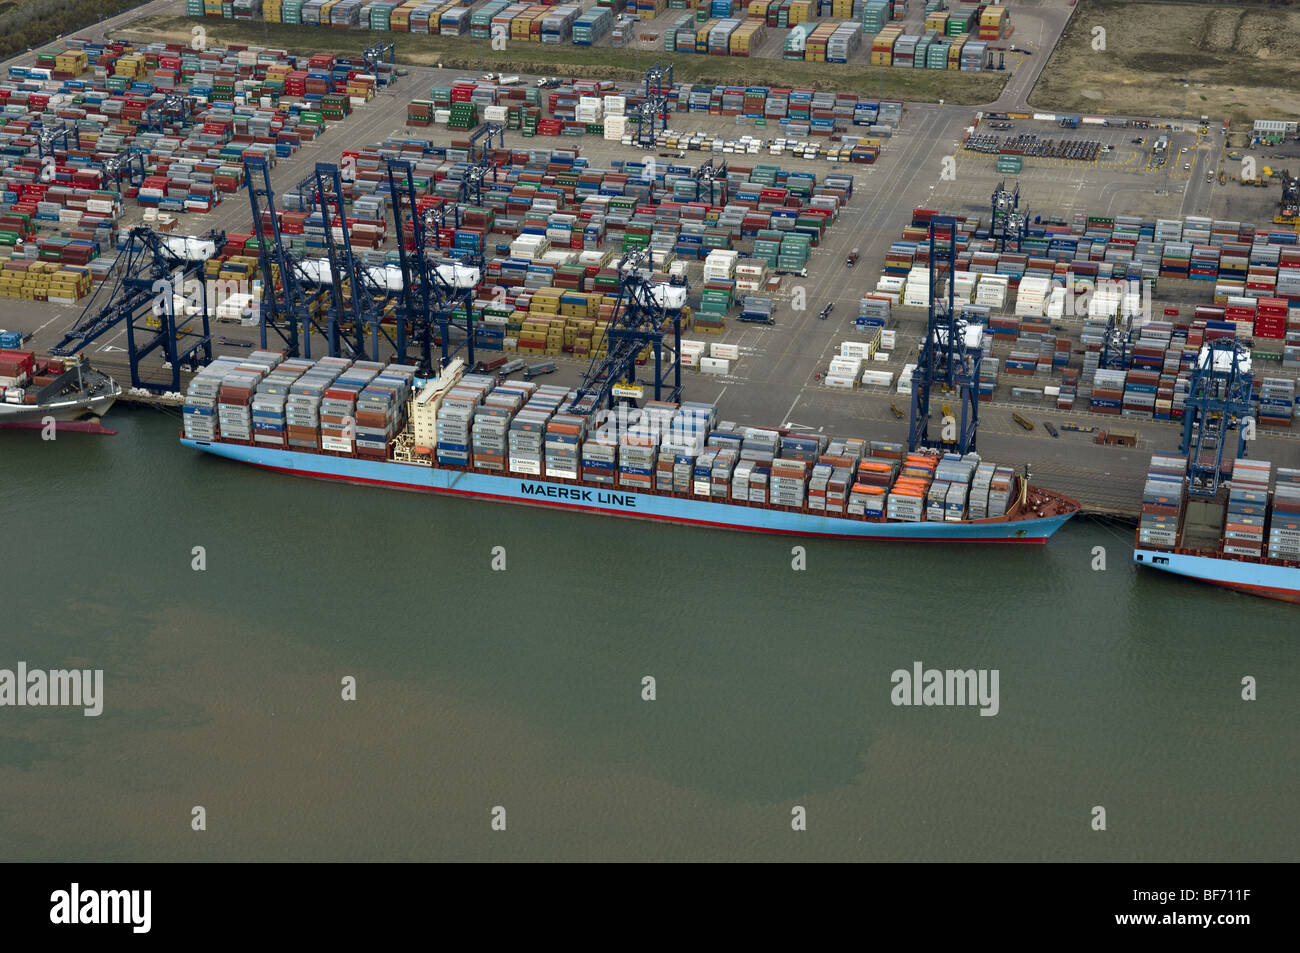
729	352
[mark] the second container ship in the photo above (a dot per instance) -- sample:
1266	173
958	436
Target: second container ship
1245	537
475	436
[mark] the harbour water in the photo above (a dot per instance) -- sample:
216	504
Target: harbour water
523	688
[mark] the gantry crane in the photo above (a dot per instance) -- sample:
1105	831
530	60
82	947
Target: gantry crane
653	111
434	290
123	167
358	297
949	356
706	175
173	107
1007	223
63	136
380	60
645	312
287	308
481	163
153	271
1218	401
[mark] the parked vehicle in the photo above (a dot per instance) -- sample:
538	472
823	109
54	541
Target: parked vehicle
826	311
852	259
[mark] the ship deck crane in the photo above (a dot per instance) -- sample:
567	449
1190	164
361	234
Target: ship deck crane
643	314
154	270
1218	401
948	357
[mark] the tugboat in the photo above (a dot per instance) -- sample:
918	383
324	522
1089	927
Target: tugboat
32	389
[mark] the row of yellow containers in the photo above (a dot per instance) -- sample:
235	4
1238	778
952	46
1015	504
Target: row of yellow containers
801	11
882	45
72	61
815	50
992	16
271	11
43	281
399	18
882	48
577	304
747	37
131	65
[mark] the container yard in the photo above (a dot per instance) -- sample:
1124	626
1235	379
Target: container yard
703	266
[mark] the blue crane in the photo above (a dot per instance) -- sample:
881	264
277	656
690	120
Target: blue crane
644	312
1218	402
652	115
380	59
434	291
173	107
707	175
153	271
946	358
52	138
1007	223
286	307
357	297
123	167
482	164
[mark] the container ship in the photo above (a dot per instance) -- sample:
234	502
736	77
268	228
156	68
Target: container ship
1244	537
33	389
478	436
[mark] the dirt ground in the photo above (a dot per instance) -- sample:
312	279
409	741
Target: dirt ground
1176	60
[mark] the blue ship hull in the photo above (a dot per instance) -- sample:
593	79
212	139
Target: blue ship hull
618	501
1260	579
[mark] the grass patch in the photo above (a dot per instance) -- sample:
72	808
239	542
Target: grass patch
590	62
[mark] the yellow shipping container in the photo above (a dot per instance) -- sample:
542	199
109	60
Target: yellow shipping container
801	11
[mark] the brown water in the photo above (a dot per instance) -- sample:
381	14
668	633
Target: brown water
522	689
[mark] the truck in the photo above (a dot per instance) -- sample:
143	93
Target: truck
1069	122
537	370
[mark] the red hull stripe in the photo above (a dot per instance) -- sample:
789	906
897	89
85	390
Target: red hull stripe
641	516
